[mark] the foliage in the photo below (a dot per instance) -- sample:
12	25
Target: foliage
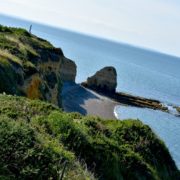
20	51
26	151
36	138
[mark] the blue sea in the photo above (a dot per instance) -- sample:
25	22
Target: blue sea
140	71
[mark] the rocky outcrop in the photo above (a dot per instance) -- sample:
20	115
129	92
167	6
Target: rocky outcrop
68	70
32	67
104	80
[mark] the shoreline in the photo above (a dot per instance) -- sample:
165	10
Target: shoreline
80	98
126	99
76	98
130	100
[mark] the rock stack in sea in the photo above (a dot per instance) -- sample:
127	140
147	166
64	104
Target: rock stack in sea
104	80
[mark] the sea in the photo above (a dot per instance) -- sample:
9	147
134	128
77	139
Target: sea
141	72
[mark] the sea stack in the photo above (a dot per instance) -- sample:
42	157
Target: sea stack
104	80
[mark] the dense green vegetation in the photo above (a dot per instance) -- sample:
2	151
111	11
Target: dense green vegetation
37	139
17	51
20	53
27	151
21	47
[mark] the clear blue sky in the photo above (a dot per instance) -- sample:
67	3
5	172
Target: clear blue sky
153	24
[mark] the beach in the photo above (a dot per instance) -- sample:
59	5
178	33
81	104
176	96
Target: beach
76	98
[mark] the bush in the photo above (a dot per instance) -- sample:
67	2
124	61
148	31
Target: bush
36	139
112	152
26	150
26	154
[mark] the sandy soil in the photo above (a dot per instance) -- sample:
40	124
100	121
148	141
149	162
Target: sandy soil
76	98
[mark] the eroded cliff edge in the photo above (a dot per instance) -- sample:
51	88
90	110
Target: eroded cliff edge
32	67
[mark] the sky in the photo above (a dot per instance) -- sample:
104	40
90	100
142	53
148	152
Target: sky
153	24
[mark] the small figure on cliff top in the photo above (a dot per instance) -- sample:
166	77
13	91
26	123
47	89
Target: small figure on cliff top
30	28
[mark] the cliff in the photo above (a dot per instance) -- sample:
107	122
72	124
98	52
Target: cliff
104	80
32	67
40	141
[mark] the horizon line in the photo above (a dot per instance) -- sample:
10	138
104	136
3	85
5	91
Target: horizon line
101	38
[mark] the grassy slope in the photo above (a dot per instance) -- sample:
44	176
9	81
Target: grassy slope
20	50
37	138
19	46
16	48
27	151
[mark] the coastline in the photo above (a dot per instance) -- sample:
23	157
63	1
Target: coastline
81	99
130	100
76	98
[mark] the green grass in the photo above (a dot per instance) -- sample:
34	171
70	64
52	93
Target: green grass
8	77
26	150
36	138
21	54
20	43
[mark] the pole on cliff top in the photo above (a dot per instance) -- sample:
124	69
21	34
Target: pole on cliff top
30	28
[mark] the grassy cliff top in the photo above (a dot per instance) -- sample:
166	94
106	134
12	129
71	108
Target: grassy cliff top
37	139
18	46
29	65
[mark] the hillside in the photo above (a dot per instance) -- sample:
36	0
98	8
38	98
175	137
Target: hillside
31	66
36	139
40	141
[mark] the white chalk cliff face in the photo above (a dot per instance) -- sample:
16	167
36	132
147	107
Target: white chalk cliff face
104	80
